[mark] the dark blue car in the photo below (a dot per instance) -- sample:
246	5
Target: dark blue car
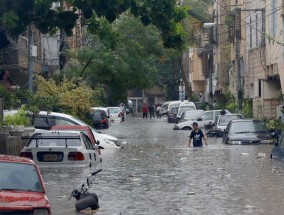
278	150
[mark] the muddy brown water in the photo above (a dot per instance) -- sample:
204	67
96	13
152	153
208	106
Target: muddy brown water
155	173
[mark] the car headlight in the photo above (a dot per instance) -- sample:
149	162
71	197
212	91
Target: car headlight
113	142
40	212
234	142
268	141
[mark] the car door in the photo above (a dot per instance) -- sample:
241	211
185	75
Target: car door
226	133
90	149
205	118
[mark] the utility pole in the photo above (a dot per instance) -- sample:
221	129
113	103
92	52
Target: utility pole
210	70
238	55
62	45
30	58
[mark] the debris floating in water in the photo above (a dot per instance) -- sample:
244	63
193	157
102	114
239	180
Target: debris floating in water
261	155
191	193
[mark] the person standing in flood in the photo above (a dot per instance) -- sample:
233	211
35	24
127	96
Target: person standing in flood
197	136
151	111
145	111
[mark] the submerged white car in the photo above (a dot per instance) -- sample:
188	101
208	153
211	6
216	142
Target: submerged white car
45	120
204	118
60	148
115	114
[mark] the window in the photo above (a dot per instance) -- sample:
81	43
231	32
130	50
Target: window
87	142
61	121
19	176
207	116
273	18
52	139
259	88
41	122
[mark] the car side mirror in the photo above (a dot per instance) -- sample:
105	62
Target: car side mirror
199	119
97	142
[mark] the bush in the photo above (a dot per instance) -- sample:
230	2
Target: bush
20	118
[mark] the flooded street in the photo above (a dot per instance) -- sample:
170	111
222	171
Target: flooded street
156	173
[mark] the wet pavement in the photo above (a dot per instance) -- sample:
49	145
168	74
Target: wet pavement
155	173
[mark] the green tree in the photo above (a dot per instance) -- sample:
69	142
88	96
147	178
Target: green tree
15	15
68	97
133	63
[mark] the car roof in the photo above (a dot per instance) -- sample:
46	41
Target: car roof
70	127
15	159
246	120
230	114
58	131
192	110
99	108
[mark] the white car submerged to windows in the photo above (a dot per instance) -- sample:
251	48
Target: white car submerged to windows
60	148
204	118
115	114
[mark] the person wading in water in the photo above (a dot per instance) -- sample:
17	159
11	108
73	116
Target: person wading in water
197	136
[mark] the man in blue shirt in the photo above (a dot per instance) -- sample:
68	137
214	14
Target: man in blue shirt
197	136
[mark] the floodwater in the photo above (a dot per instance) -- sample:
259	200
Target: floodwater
155	173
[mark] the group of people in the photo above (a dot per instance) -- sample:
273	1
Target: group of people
151	109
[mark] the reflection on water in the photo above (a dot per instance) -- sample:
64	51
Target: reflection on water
157	174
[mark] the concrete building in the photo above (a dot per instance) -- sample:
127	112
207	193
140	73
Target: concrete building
15	59
263	56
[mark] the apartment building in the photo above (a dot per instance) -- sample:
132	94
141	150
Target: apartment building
263	56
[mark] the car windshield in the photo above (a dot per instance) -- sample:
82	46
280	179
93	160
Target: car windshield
225	119
248	127
113	110
61	139
192	114
187	107
15	176
174	110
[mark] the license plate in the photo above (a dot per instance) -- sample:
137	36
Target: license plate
50	157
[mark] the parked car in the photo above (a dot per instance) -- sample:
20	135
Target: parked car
277	151
21	187
247	131
116	113
85	129
189	115
100	118
172	115
204	118
70	148
184	106
221	123
164	108
45	120
167	106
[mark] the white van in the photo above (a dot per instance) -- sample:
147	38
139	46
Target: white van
167	106
184	106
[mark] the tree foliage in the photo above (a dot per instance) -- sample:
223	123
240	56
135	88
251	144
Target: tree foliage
166	15
132	64
68	97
